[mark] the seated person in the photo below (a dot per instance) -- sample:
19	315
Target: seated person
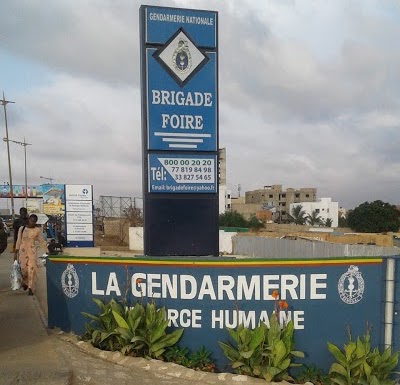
54	247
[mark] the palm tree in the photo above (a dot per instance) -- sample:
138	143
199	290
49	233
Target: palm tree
314	218
298	215
328	222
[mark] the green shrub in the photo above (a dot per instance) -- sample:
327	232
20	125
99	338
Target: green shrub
198	360
101	331
232	219
201	360
312	373
140	331
263	352
149	336
177	355
358	364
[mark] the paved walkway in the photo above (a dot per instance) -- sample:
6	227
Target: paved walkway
27	354
30	354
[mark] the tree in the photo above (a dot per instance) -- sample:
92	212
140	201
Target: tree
314	219
134	216
254	223
374	217
343	222
298	215
232	219
328	222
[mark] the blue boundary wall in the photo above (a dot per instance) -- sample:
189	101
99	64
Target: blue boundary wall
394	312
204	295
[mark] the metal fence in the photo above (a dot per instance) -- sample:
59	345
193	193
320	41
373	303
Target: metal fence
261	247
113	216
113	207
117	228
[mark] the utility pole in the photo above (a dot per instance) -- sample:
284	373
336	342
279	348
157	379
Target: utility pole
4	102
26	177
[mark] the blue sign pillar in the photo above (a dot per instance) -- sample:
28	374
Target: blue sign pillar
179	57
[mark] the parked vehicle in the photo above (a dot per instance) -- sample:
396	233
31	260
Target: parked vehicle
8	219
6	228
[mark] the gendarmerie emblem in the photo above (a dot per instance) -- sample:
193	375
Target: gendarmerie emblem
70	281
181	59
351	286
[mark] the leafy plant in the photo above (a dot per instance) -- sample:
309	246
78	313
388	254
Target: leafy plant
357	364
198	360
177	355
146	331
381	366
312	374
138	331
263	352
128	326
101	331
297	215
280	349
201	360
314	219
246	354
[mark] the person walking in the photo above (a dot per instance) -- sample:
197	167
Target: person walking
21	221
26	252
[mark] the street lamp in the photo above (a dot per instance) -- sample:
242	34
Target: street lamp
4	102
26	178
50	179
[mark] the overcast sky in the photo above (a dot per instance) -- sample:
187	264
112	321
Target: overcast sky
309	94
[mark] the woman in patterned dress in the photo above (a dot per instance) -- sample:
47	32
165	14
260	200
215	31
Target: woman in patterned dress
25	252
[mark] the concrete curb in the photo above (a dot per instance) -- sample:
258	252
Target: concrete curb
162	369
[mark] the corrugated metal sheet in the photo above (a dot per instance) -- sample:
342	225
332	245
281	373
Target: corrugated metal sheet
261	247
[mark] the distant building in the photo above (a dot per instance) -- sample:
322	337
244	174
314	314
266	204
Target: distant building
225	203
324	207
276	200
343	212
247	210
225	199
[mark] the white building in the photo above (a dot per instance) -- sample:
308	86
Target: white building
324	207
225	201
342	212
